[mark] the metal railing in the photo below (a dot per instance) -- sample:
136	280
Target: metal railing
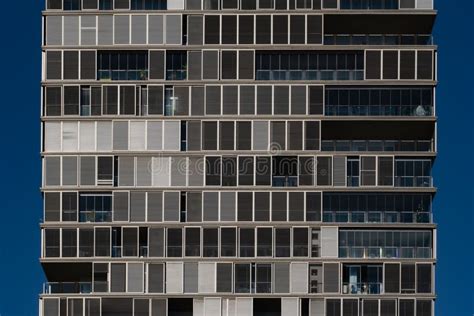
377	217
378	39
309	75
378	110
414	181
362	288
377	145
386	252
67	287
122	74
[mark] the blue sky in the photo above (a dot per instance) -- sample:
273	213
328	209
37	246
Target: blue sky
20	273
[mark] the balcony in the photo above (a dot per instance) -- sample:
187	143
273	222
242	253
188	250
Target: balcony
359	288
281	181
414	181
386	252
378	39
377	145
379	110
123	74
67	287
368	4
377	217
311	75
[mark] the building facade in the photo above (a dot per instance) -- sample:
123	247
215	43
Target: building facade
238	157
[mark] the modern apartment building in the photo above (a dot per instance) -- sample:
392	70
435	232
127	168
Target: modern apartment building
238	157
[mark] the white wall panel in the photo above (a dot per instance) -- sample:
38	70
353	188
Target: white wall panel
329	244
104	136
289	306
174	277
198	307
52	136
299	278
87	136
171	139
161	171
212	306
175	5
154	135
137	135
70	136
207	277
243	306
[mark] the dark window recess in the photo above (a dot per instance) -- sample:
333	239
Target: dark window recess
229	171
244	135
306	171
211	29
248	4
157	64
230	102
175	242
246	29
390	65
176	65
282	242
228	242
316	100
280	29
425	65
210	246
180	307
284	171
423	275
71	100
54	5
127	100
313	206
407	64
247	242
315	29
71	64
300	242
263	29
71	5
246	170
209	135
213	170
324	171
262	206
244	206
312	135
297	29
263	170
122	65
373	60
53	99
229	29
229	64
148	4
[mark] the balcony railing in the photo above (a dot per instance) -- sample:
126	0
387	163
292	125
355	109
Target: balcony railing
414	181
317	75
377	39
176	74
379	110
386	252
95	216
368	4
281	181
362	288
377	145
377	217
123	74
67	287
